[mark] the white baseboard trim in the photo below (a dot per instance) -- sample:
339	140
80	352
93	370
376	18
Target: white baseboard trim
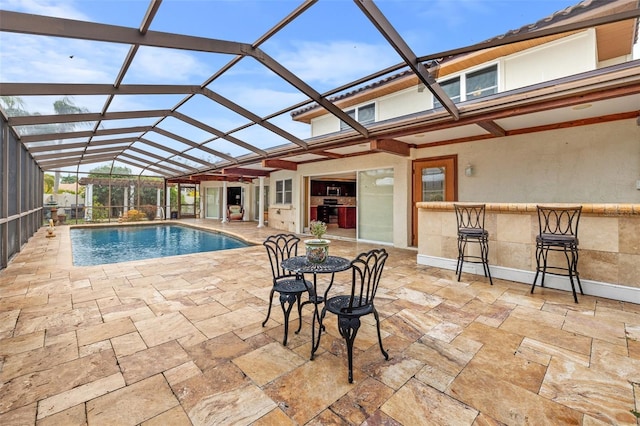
592	288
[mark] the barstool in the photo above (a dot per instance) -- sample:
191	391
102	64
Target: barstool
558	233
470	219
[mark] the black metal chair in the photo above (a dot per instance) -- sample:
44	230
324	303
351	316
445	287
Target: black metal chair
290	286
367	270
558	233
470	220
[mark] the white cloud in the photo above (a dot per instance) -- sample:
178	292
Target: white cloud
259	99
337	62
154	65
58	9
53	60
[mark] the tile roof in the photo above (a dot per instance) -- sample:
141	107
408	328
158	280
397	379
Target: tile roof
555	18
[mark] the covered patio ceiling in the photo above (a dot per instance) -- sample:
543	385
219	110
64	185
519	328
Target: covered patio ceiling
188	133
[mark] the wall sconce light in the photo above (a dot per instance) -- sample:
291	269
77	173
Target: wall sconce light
468	171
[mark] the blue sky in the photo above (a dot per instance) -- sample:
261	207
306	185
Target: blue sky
331	44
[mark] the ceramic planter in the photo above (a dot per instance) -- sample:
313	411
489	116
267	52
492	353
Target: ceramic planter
317	250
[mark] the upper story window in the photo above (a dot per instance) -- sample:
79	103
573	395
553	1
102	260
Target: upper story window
284	192
364	114
482	82
471	85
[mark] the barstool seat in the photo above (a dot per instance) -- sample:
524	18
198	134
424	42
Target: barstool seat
558	232
470	220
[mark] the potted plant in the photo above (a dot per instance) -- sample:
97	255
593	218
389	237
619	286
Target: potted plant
318	247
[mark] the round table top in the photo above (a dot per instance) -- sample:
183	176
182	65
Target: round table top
300	264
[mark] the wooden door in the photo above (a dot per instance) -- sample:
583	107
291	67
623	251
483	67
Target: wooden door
434	179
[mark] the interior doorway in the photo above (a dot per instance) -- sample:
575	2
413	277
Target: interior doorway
434	179
332	199
234	195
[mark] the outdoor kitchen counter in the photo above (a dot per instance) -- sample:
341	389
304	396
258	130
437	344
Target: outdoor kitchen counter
609	264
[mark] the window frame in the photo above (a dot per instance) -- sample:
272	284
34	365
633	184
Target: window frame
355	114
284	195
463	94
482	90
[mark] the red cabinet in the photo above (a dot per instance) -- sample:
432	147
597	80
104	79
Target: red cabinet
313	215
347	216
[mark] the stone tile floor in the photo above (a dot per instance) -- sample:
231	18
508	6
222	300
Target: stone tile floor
179	341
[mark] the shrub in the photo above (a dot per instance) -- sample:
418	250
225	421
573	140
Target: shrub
149	211
133	215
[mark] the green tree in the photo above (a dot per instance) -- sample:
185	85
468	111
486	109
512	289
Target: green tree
65	106
68	179
48	183
13	105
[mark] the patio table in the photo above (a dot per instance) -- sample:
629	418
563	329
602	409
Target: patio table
301	265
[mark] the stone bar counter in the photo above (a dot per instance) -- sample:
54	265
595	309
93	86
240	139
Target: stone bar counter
609	245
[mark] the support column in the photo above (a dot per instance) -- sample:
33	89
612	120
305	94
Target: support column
125	202
225	218
158	207
261	203
167	201
88	203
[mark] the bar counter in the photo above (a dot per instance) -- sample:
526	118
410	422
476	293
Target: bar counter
609	235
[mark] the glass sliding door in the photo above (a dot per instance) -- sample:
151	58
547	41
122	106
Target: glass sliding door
375	205
212	204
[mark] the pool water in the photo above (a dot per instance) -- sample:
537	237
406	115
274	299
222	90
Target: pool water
98	246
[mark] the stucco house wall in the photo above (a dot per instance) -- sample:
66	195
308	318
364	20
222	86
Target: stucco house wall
324	125
404	102
596	164
591	164
577	53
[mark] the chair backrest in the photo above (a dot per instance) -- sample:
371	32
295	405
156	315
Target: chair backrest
367	270
559	220
470	216
281	247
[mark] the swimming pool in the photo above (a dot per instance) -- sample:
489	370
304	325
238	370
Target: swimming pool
98	246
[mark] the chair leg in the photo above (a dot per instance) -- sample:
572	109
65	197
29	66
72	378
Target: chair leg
458	259
535	278
349	329
572	265
299	296
287	299
574	251
269	309
484	252
462	246
384	353
545	255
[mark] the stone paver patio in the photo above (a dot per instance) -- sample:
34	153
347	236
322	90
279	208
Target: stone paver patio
179	341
